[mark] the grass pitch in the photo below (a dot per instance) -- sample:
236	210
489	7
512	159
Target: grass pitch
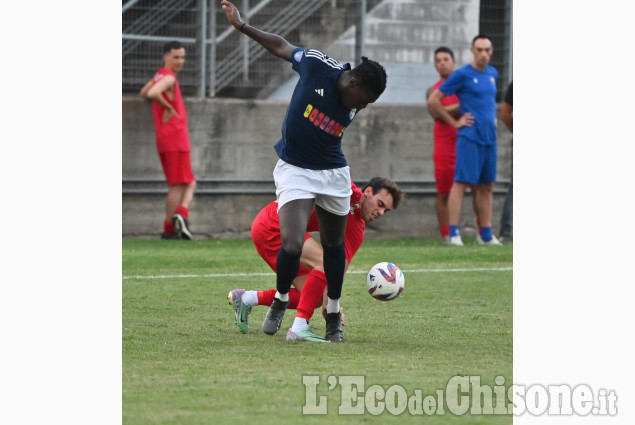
185	362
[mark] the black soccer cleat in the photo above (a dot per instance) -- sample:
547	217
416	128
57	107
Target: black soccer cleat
182	226
274	316
174	236
334	331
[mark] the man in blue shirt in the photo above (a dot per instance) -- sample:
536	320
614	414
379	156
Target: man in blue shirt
476	149
312	170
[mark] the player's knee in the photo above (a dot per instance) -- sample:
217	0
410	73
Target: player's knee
293	246
487	188
333	243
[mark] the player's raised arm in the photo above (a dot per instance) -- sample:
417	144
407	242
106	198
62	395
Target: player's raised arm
277	45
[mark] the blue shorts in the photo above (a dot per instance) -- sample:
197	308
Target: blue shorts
475	163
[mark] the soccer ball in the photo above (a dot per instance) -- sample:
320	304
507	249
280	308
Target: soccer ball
385	281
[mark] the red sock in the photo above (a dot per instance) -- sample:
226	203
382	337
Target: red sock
266	297
478	223
183	211
294	298
311	295
168	227
445	231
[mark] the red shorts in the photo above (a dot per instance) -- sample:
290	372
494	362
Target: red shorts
265	232
444	162
177	167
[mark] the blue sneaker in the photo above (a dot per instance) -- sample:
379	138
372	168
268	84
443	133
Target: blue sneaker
305	335
241	310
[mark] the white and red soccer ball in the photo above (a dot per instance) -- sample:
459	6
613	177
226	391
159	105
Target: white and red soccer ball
385	281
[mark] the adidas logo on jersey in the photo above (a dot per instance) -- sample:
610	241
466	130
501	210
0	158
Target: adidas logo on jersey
320	92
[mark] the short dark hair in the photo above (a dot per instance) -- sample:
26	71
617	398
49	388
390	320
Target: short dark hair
481	36
172	45
371	76
379	183
444	50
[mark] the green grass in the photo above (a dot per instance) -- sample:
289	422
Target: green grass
185	362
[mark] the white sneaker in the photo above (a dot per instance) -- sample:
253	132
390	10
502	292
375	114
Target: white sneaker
493	241
455	240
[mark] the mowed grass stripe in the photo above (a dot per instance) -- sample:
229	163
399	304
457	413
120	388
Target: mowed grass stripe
186	276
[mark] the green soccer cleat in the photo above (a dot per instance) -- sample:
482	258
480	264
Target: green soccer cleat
305	335
241	310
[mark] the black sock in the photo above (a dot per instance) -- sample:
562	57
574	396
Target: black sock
334	266
288	266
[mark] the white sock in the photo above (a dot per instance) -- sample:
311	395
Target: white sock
282	297
250	297
299	324
333	306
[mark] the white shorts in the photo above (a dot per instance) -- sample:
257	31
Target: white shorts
331	189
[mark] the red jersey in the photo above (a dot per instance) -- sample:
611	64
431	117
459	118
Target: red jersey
265	231
173	136
444	133
355	225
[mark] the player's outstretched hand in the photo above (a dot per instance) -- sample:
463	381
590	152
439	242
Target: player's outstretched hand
232	13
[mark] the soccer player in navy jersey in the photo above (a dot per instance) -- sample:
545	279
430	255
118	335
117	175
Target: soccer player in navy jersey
312	170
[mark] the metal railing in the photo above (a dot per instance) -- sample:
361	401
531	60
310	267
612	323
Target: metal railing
222	62
217	55
237	62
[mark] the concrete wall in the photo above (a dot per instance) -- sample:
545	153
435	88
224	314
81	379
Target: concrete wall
233	160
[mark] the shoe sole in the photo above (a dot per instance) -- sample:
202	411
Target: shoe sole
181	227
294	337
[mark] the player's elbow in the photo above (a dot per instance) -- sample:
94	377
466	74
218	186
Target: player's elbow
434	102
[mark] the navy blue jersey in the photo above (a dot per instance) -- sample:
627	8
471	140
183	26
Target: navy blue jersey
316	118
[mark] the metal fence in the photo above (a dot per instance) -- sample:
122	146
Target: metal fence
221	62
495	20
